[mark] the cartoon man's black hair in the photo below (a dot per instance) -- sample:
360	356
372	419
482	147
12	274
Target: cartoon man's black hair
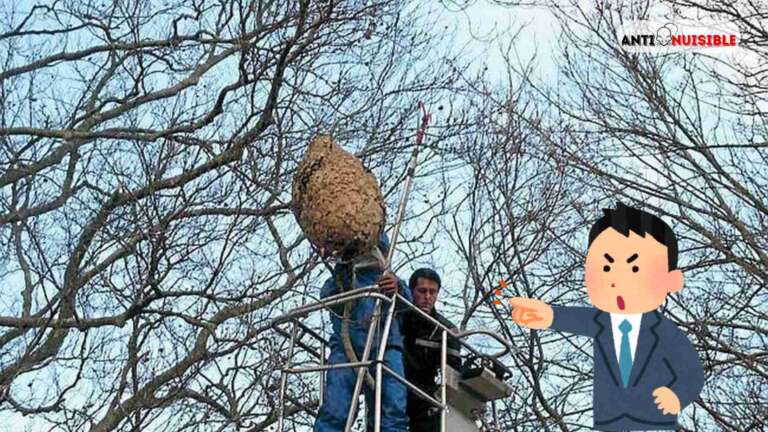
625	219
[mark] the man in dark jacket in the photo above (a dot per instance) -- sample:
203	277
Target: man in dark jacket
422	343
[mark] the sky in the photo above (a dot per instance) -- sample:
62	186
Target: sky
483	21
472	28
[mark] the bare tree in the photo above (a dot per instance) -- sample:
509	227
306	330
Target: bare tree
682	135
147	152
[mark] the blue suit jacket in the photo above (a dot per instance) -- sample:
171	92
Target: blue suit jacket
664	357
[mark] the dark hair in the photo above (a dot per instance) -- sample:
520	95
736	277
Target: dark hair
426	273
625	219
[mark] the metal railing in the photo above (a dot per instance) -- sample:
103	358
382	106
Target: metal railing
294	317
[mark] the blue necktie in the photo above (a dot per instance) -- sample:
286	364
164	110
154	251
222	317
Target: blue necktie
625	355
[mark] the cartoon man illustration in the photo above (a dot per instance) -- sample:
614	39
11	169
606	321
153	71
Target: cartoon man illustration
646	370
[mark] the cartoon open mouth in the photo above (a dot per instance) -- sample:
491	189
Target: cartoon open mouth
620	302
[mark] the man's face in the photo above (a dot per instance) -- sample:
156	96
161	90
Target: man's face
425	294
629	274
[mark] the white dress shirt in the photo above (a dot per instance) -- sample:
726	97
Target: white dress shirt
634	320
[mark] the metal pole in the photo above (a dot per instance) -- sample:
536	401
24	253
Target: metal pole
361	372
322	373
353	365
419	392
443	372
284	379
408	182
393	241
379	361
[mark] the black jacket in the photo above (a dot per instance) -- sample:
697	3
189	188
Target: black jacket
422	342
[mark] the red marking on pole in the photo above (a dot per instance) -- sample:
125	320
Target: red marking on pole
425	118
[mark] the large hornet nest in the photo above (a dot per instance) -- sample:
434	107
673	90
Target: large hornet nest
337	201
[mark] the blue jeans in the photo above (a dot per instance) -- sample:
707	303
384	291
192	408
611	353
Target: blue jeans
340	383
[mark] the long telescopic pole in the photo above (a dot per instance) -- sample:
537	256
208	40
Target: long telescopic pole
395	234
387	265
408	182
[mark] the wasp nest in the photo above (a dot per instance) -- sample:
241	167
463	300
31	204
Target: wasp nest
336	200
